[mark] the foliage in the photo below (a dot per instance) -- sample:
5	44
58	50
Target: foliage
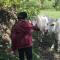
57	4
4	16
30	6
48	4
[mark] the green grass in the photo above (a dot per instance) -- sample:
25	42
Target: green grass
51	13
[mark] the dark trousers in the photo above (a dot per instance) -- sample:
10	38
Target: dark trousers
25	51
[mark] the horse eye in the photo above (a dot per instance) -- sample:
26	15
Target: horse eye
52	25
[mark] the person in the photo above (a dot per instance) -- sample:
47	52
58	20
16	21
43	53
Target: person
21	36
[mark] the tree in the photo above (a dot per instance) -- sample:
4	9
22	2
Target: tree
57	4
32	7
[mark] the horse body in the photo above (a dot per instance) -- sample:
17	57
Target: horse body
42	23
52	27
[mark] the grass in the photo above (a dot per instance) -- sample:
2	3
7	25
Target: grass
51	13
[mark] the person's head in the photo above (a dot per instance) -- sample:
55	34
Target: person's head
22	15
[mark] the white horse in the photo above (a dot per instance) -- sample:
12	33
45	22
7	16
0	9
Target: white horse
42	23
55	27
46	24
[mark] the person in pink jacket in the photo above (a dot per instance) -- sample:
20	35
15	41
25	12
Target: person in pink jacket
21	36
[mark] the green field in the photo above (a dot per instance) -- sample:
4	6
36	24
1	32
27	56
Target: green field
51	13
